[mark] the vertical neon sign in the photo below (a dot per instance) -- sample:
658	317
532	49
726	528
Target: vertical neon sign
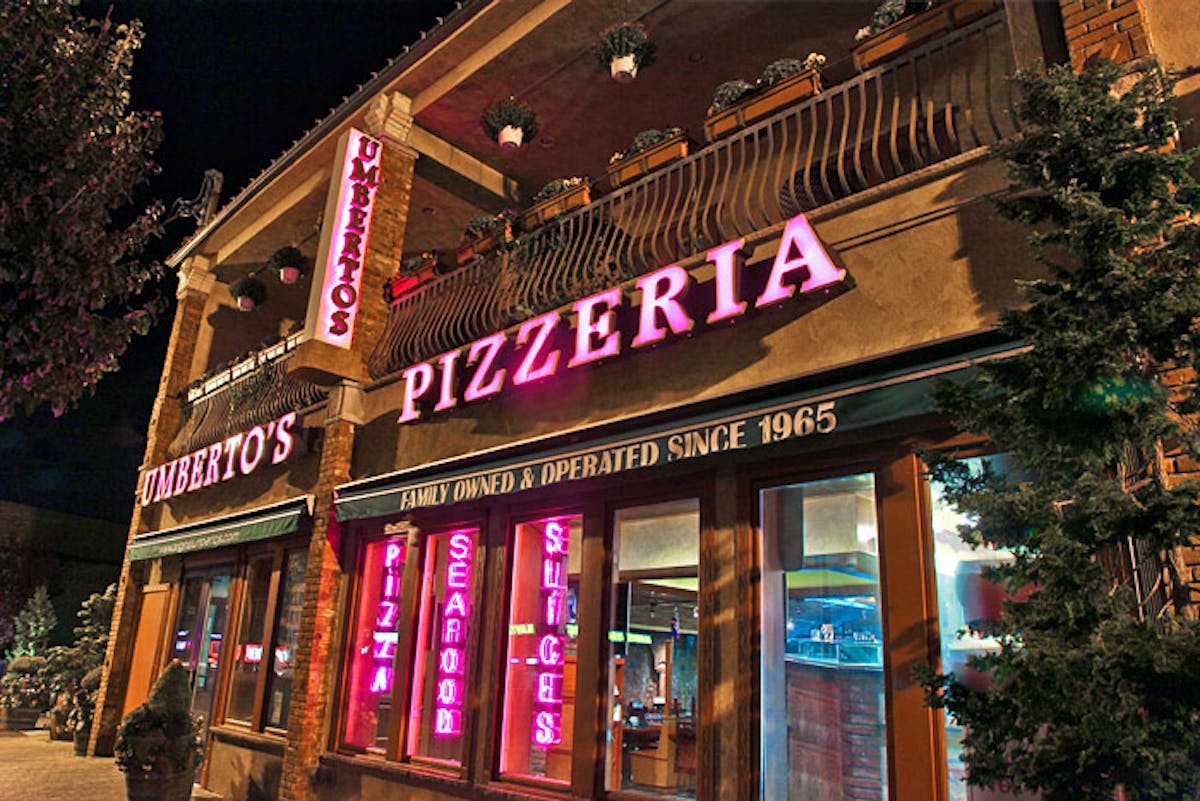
453	638
547	715
385	635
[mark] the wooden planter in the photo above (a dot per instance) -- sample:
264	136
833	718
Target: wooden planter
159	785
633	167
18	719
548	209
762	104
918	29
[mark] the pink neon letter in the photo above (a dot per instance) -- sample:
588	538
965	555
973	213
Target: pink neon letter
526	371
808	254
283	438
489	346
655	300
590	325
259	437
417	381
214	464
550	650
447	400
728	259
148	481
546	728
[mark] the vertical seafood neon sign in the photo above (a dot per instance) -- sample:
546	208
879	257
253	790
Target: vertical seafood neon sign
453	638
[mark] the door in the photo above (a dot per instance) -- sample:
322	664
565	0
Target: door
200	633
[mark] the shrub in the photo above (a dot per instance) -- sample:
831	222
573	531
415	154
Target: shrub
625	39
23	685
162	734
730	93
509	111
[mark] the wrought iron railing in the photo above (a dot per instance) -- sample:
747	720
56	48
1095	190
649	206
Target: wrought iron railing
252	392
938	101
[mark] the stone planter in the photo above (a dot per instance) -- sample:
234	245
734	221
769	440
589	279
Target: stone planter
563	202
18	719
762	104
918	29
633	167
159	785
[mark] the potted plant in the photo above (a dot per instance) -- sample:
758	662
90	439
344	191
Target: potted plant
509	122
782	83
248	293
625	48
557	197
485	233
160	743
648	151
289	263
23	693
898	25
83	709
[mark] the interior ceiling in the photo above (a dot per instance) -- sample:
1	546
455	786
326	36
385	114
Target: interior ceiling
585	116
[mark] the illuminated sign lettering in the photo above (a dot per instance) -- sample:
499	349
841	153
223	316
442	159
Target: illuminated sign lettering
547	713
452	639
385	636
346	245
801	264
240	454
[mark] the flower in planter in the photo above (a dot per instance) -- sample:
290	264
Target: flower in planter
646	140
625	48
785	68
249	292
557	187
729	93
483	226
509	122
288	263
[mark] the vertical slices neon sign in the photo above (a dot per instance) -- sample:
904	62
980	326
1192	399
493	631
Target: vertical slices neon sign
347	245
547	715
453	638
385	635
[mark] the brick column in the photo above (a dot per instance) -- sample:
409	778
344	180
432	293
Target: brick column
312	715
195	283
1107	29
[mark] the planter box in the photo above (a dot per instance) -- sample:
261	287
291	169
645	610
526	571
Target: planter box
633	167
18	719
402	284
762	104
918	29
574	198
159	785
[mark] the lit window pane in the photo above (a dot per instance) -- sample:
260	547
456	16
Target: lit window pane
249	657
824	734
287	636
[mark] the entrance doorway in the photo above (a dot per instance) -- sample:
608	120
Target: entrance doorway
200	633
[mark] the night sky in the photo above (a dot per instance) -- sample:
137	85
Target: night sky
237	82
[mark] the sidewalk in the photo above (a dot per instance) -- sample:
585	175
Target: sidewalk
35	768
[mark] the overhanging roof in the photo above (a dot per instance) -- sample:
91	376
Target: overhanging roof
263	523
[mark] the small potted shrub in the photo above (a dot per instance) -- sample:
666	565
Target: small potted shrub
24	694
557	197
782	83
486	233
79	719
288	263
160	743
648	151
509	122
248	293
625	48
899	25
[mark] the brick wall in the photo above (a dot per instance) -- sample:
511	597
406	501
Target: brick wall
1105	29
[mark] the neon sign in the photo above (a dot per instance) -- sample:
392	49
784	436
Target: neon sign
385	635
347	243
453	638
801	263
547	714
240	454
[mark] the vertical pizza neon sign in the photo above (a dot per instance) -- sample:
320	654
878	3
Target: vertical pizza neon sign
347	244
385	635
547	715
453	638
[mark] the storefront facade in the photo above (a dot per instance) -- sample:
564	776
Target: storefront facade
632	507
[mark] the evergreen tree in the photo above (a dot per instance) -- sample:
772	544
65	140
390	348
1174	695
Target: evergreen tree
1092	689
33	624
71	155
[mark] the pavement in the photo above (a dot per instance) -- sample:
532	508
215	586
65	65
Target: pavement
35	768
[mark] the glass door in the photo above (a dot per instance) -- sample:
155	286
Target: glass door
200	633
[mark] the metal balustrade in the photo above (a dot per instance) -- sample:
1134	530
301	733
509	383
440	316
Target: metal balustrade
937	101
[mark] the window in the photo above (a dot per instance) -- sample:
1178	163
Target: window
375	634
652	636
441	659
249	656
539	680
287	636
823	716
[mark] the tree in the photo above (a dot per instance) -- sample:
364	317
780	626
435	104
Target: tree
1094	687
34	623
72	154
66	665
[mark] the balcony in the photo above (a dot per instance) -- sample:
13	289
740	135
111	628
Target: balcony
943	99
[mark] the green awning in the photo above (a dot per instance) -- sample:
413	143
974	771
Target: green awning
263	523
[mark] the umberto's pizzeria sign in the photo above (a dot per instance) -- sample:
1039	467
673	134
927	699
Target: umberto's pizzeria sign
544	346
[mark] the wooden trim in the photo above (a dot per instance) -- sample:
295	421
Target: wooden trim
269	626
591	673
762	104
630	168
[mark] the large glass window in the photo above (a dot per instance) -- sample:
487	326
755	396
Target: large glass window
968	602
375	634
652	635
440	664
823	715
287	636
249	656
539	679
200	633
